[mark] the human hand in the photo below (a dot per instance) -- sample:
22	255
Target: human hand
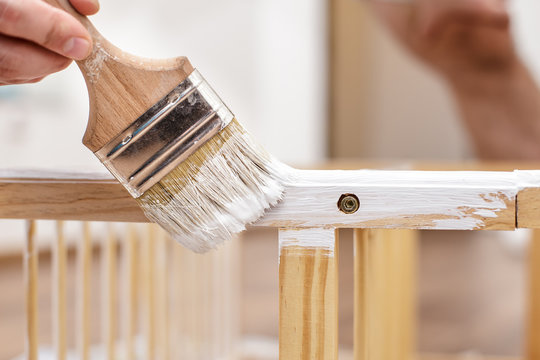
469	42
37	39
459	38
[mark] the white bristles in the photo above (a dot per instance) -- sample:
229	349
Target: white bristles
225	185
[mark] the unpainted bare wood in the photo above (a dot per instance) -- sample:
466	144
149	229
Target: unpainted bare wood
64	199
308	294
528	208
384	288
84	268
533	334
30	263
131	279
109	283
59	294
177	304
162	295
148	294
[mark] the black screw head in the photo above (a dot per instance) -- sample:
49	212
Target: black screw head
348	203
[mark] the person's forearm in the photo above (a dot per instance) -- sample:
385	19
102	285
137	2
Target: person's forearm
502	112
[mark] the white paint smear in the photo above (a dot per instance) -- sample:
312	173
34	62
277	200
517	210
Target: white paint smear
316	238
453	200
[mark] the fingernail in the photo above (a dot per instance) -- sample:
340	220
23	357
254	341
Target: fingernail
96	4
77	48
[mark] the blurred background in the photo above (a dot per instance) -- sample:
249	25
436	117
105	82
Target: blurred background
314	81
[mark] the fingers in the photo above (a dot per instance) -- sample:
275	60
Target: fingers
23	62
86	7
434	15
45	25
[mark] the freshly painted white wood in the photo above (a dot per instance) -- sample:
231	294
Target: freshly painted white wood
527	179
315	238
422	199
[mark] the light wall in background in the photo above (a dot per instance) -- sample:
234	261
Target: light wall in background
384	103
265	58
526	25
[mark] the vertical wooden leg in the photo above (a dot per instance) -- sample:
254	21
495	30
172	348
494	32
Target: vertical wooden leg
59	293
308	294
384	294
533	342
109	293
30	260
84	263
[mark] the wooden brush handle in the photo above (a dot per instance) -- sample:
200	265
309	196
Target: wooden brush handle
121	87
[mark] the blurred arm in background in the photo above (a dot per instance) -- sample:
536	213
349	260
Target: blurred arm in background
37	39
469	43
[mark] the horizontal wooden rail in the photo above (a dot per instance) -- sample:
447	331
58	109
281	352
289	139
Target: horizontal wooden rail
387	199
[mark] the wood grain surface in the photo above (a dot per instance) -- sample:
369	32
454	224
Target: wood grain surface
308	293
533	339
384	294
388	199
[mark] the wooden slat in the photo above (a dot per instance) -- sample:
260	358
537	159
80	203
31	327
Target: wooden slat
59	294
131	278
398	199
177	309
308	293
67	197
233	316
384	288
219	284
389	199
533	335
227	281
109	314
161	295
30	263
148	296
84	268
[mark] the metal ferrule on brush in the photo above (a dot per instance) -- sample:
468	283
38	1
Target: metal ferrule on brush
165	135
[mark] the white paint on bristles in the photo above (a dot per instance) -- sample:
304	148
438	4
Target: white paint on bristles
206	205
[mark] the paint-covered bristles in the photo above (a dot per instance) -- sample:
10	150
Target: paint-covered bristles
225	185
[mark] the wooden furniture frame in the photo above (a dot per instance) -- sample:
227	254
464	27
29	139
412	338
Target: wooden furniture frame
308	217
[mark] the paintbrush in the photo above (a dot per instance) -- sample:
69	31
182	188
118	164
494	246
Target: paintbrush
162	131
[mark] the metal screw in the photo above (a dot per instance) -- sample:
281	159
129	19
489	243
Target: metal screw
348	203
